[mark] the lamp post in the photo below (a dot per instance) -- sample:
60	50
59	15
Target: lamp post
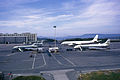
55	34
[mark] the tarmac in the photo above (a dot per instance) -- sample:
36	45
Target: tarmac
64	65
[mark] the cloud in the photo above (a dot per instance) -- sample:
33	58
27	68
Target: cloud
14	3
100	9
73	17
35	18
96	15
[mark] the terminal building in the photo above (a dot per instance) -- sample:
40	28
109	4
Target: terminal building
17	38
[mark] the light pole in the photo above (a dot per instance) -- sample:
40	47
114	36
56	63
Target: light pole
55	34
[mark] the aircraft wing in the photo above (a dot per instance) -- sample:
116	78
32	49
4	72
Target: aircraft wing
20	49
78	46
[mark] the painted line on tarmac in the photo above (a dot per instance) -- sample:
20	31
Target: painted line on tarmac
68	60
57	60
33	65
11	54
86	71
20	69
44	59
30	59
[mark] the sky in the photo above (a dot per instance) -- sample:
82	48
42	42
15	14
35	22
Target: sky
71	17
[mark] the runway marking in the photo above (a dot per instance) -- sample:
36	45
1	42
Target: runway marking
31	59
68	60
86	71
57	60
33	65
44	59
11	54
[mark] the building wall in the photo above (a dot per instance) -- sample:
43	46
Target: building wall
12	39
18	38
31	37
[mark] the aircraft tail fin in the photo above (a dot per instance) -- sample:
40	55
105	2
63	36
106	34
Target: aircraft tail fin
107	42
95	38
42	41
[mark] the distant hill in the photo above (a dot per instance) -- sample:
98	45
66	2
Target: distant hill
101	36
41	38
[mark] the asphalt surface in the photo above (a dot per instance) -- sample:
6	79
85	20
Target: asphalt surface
21	62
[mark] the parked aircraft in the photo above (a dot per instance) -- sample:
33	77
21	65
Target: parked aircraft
70	43
98	46
33	47
53	49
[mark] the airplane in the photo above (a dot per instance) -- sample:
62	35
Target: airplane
70	43
39	44
53	49
98	46
33	47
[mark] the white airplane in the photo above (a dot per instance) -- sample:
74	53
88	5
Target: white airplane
33	47
53	49
98	46
70	43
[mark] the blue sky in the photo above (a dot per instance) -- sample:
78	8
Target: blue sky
72	17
